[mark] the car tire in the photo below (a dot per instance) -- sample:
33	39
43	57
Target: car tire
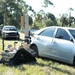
74	61
35	50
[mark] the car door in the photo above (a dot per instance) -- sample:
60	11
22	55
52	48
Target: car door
62	46
44	40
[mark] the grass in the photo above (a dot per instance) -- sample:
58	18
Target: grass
41	67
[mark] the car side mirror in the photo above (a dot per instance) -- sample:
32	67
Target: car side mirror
71	39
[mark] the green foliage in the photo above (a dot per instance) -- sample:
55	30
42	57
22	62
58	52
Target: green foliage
12	10
1	19
49	22
30	20
73	25
42	20
37	25
59	24
64	20
67	21
52	17
39	18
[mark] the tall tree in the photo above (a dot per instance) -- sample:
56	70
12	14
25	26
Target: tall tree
12	10
39	18
70	10
52	18
64	20
1	19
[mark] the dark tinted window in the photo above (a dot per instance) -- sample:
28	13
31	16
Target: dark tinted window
48	32
10	29
62	34
72	32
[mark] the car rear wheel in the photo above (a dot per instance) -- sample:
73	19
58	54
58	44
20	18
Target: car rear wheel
74	61
35	49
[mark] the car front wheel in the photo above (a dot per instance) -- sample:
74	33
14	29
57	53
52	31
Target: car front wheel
35	49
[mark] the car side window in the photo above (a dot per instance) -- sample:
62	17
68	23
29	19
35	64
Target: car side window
62	34
48	32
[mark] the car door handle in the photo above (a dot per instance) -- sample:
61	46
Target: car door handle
38	38
53	41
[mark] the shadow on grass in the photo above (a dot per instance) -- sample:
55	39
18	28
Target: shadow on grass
51	65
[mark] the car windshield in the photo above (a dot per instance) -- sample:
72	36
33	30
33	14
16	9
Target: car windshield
72	32
10	29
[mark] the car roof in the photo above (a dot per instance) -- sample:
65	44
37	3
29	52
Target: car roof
9	26
60	27
66	28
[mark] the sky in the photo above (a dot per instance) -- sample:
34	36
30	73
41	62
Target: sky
60	6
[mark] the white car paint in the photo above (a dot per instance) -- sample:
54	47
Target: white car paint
55	48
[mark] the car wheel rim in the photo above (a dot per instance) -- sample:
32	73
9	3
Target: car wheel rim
34	48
